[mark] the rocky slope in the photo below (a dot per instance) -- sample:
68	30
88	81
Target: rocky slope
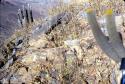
45	62
69	54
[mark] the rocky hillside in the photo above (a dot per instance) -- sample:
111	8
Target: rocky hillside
68	54
44	62
8	14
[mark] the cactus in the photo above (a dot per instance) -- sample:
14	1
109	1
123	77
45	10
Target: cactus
25	16
20	17
112	47
114	36
30	13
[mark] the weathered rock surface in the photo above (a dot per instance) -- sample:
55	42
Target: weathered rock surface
58	65
42	62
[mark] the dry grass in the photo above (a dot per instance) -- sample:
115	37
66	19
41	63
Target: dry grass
95	68
76	26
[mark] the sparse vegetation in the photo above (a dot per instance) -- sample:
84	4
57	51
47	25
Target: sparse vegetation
49	60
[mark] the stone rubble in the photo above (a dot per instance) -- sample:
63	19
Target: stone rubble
62	64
